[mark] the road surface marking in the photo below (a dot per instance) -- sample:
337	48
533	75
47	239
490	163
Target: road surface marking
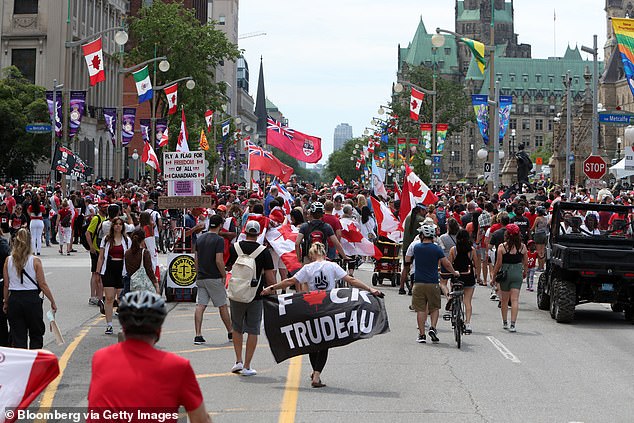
227	347
216	375
506	353
291	391
51	390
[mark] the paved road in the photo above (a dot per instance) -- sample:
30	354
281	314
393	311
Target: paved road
546	372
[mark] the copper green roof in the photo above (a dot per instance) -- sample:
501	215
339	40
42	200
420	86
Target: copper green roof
539	76
464	15
419	52
270	105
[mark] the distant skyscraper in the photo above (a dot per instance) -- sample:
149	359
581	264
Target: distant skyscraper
343	133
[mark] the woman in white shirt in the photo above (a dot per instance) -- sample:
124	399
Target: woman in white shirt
320	275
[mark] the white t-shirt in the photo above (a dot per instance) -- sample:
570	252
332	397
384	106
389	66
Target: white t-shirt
320	275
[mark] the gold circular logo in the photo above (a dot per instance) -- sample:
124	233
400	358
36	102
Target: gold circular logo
182	270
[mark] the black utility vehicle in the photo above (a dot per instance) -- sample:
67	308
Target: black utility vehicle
590	259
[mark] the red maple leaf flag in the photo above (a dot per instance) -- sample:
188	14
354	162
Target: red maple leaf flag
418	191
164	138
282	240
388	225
397	191
338	182
171	93
183	136
415	103
149	157
94	59
209	118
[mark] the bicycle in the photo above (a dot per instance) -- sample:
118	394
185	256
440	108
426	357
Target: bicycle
167	236
457	314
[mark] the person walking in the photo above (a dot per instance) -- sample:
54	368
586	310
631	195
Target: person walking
23	280
64	228
512	259
139	259
110	265
210	277
464	258
36	226
320	275
94	237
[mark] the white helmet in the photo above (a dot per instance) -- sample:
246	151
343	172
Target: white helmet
428	231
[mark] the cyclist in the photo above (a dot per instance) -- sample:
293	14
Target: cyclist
465	259
145	376
426	290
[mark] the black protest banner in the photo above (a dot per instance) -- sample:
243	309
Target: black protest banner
302	323
67	162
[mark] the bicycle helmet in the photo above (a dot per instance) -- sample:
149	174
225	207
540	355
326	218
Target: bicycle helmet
428	231
317	207
484	220
142	313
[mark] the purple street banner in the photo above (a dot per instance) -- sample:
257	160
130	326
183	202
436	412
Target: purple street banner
67	162
301	323
481	109
110	116
77	104
161	125
127	127
55	111
145	129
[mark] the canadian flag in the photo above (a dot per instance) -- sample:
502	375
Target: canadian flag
415	102
149	157
164	138
94	59
25	373
282	240
288	198
182	144
171	93
415	191
397	191
338	181
388	225
264	226
256	187
209	117
353	242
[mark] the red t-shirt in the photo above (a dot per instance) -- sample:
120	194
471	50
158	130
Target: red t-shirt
531	218
134	374
333	221
64	211
38	216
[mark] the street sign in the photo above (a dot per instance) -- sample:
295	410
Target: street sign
39	128
185	202
571	157
436	158
183	165
488	169
615	118
594	167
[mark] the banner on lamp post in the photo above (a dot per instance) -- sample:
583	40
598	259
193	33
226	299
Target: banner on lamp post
55	111
127	125
77	104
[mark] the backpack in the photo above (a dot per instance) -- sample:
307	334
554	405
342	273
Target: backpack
441	215
65	222
314	234
84	231
244	283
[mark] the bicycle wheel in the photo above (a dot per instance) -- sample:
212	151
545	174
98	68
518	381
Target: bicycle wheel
458	320
169	241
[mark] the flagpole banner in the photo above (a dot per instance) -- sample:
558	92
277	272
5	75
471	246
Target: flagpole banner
413	148
391	152
302	323
481	109
67	162
204	144
161	125
144	124
127	125
506	102
171	93
402	152
110	116
226	126
143	84
624	31
425	133
77	104
94	60
441	136
303	147
55	111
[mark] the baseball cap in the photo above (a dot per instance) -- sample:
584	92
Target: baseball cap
222	207
252	227
512	229
215	221
103	203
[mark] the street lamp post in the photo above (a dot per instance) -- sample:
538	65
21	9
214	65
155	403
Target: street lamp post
135	157
54	122
594	51
568	85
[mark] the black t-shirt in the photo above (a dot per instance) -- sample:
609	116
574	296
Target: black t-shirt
312	226
18	220
207	246
524	226
4	221
262	262
498	237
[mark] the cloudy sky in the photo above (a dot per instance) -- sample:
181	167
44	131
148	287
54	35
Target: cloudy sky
327	62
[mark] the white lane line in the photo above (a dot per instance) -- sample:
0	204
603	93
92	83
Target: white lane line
506	353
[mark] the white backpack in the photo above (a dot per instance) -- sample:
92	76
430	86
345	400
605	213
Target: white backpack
243	284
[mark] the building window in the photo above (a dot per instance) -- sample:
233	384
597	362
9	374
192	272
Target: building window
525	77
25	7
512	77
222	19
24	59
539	109
551	79
527	108
513	123
526	140
526	124
447	51
550	125
538	78
539	124
539	141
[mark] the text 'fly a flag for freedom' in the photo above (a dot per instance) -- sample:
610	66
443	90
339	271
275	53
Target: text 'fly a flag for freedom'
303	323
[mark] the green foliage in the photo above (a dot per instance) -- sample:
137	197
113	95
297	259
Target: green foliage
339	162
169	29
546	151
21	103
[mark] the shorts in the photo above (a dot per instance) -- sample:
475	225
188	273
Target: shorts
514	276
113	277
426	295
540	237
211	289
65	234
246	317
482	254
94	258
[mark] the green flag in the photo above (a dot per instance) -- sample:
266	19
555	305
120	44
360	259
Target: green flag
477	48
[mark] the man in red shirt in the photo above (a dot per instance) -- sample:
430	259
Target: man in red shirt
135	378
334	222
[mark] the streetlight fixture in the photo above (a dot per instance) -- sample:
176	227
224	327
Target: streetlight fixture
482	153
618	149
135	157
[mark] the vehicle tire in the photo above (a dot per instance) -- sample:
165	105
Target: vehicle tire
554	286
543	299
169	241
375	279
457	329
565	302
617	307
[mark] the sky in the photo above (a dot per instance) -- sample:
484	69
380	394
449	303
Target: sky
328	62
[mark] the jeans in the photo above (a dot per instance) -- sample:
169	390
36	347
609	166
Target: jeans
47	231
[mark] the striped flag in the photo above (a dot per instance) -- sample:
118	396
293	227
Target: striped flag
477	48
171	93
94	59
143	84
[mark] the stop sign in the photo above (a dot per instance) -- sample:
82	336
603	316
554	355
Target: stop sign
595	167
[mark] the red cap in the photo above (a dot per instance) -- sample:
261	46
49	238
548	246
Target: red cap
512	229
222	207
103	203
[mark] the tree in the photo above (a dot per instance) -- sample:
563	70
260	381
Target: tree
193	49
21	102
339	162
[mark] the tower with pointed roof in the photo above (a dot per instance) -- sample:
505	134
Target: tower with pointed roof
260	107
